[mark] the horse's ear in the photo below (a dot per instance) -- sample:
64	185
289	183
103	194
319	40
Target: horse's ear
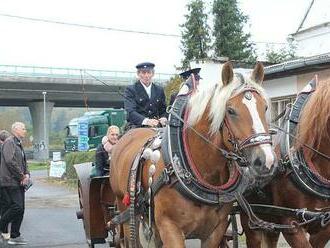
227	73
258	73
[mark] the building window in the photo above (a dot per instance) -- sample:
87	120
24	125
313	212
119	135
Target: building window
279	105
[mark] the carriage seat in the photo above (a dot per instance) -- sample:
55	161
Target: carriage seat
98	172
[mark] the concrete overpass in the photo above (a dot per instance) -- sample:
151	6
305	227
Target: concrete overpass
42	88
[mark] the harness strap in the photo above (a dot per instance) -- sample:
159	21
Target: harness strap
121	218
256	223
132	192
304	216
163	179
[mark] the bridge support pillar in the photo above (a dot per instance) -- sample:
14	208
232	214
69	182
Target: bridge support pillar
41	128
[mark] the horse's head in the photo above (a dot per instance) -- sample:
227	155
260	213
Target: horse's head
233	115
245	127
238	114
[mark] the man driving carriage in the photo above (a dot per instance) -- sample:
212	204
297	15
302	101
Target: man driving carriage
145	101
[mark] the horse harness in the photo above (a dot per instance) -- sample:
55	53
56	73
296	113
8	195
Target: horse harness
179	174
301	174
294	165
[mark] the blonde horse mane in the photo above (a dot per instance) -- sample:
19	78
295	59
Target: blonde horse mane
314	123
215	96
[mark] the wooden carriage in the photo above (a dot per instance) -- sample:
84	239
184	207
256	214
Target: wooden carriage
96	206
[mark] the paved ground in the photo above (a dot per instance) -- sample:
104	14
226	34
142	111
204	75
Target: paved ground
50	220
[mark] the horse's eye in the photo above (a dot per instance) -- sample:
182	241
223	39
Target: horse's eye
231	111
266	108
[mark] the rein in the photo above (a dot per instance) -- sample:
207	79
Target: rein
253	140
303	144
227	154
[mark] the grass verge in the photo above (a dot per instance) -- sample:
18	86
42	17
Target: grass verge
38	166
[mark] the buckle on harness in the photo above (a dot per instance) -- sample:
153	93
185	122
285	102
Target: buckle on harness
168	171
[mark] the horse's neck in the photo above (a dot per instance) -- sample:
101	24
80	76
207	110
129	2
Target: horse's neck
208	160
321	164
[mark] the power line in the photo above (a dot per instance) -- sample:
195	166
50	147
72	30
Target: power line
88	26
112	29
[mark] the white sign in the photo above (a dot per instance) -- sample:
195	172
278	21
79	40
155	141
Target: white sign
57	168
56	156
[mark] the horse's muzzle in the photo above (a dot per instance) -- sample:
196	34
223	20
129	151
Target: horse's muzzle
263	161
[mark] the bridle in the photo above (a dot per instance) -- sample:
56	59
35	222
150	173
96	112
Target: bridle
253	140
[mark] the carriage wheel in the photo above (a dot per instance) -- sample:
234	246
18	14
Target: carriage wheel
80	195
80	214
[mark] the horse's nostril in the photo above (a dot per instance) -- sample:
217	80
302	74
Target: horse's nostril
257	162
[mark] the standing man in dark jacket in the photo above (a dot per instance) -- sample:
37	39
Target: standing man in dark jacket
14	175
3	199
144	101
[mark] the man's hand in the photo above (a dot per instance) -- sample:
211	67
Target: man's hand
163	121
153	122
25	180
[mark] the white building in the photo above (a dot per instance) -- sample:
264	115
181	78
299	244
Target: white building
283	81
313	34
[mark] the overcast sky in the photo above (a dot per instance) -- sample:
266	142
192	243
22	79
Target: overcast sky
25	42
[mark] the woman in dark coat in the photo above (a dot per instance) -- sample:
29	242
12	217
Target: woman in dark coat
103	151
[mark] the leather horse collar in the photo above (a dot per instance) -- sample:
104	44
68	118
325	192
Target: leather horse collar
175	159
302	175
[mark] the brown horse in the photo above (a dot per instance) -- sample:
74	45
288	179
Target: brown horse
225	116
313	141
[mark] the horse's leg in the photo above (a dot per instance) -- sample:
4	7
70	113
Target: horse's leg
320	239
170	234
124	228
269	239
297	239
253	238
216	236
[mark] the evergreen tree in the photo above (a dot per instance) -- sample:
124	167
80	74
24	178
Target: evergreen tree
172	87
195	34
281	55
230	40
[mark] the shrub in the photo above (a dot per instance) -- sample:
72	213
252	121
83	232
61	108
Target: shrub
73	158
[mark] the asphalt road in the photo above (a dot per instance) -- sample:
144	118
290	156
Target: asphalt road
49	219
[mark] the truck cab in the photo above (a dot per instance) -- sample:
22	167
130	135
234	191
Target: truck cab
98	123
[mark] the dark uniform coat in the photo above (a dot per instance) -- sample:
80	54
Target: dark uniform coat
138	105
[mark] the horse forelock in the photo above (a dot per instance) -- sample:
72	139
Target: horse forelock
314	124
216	96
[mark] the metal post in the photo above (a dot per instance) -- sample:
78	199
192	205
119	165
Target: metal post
44	94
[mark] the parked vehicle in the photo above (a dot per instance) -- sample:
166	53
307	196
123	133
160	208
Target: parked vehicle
98	123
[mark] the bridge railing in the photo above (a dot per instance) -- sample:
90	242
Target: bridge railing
73	73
